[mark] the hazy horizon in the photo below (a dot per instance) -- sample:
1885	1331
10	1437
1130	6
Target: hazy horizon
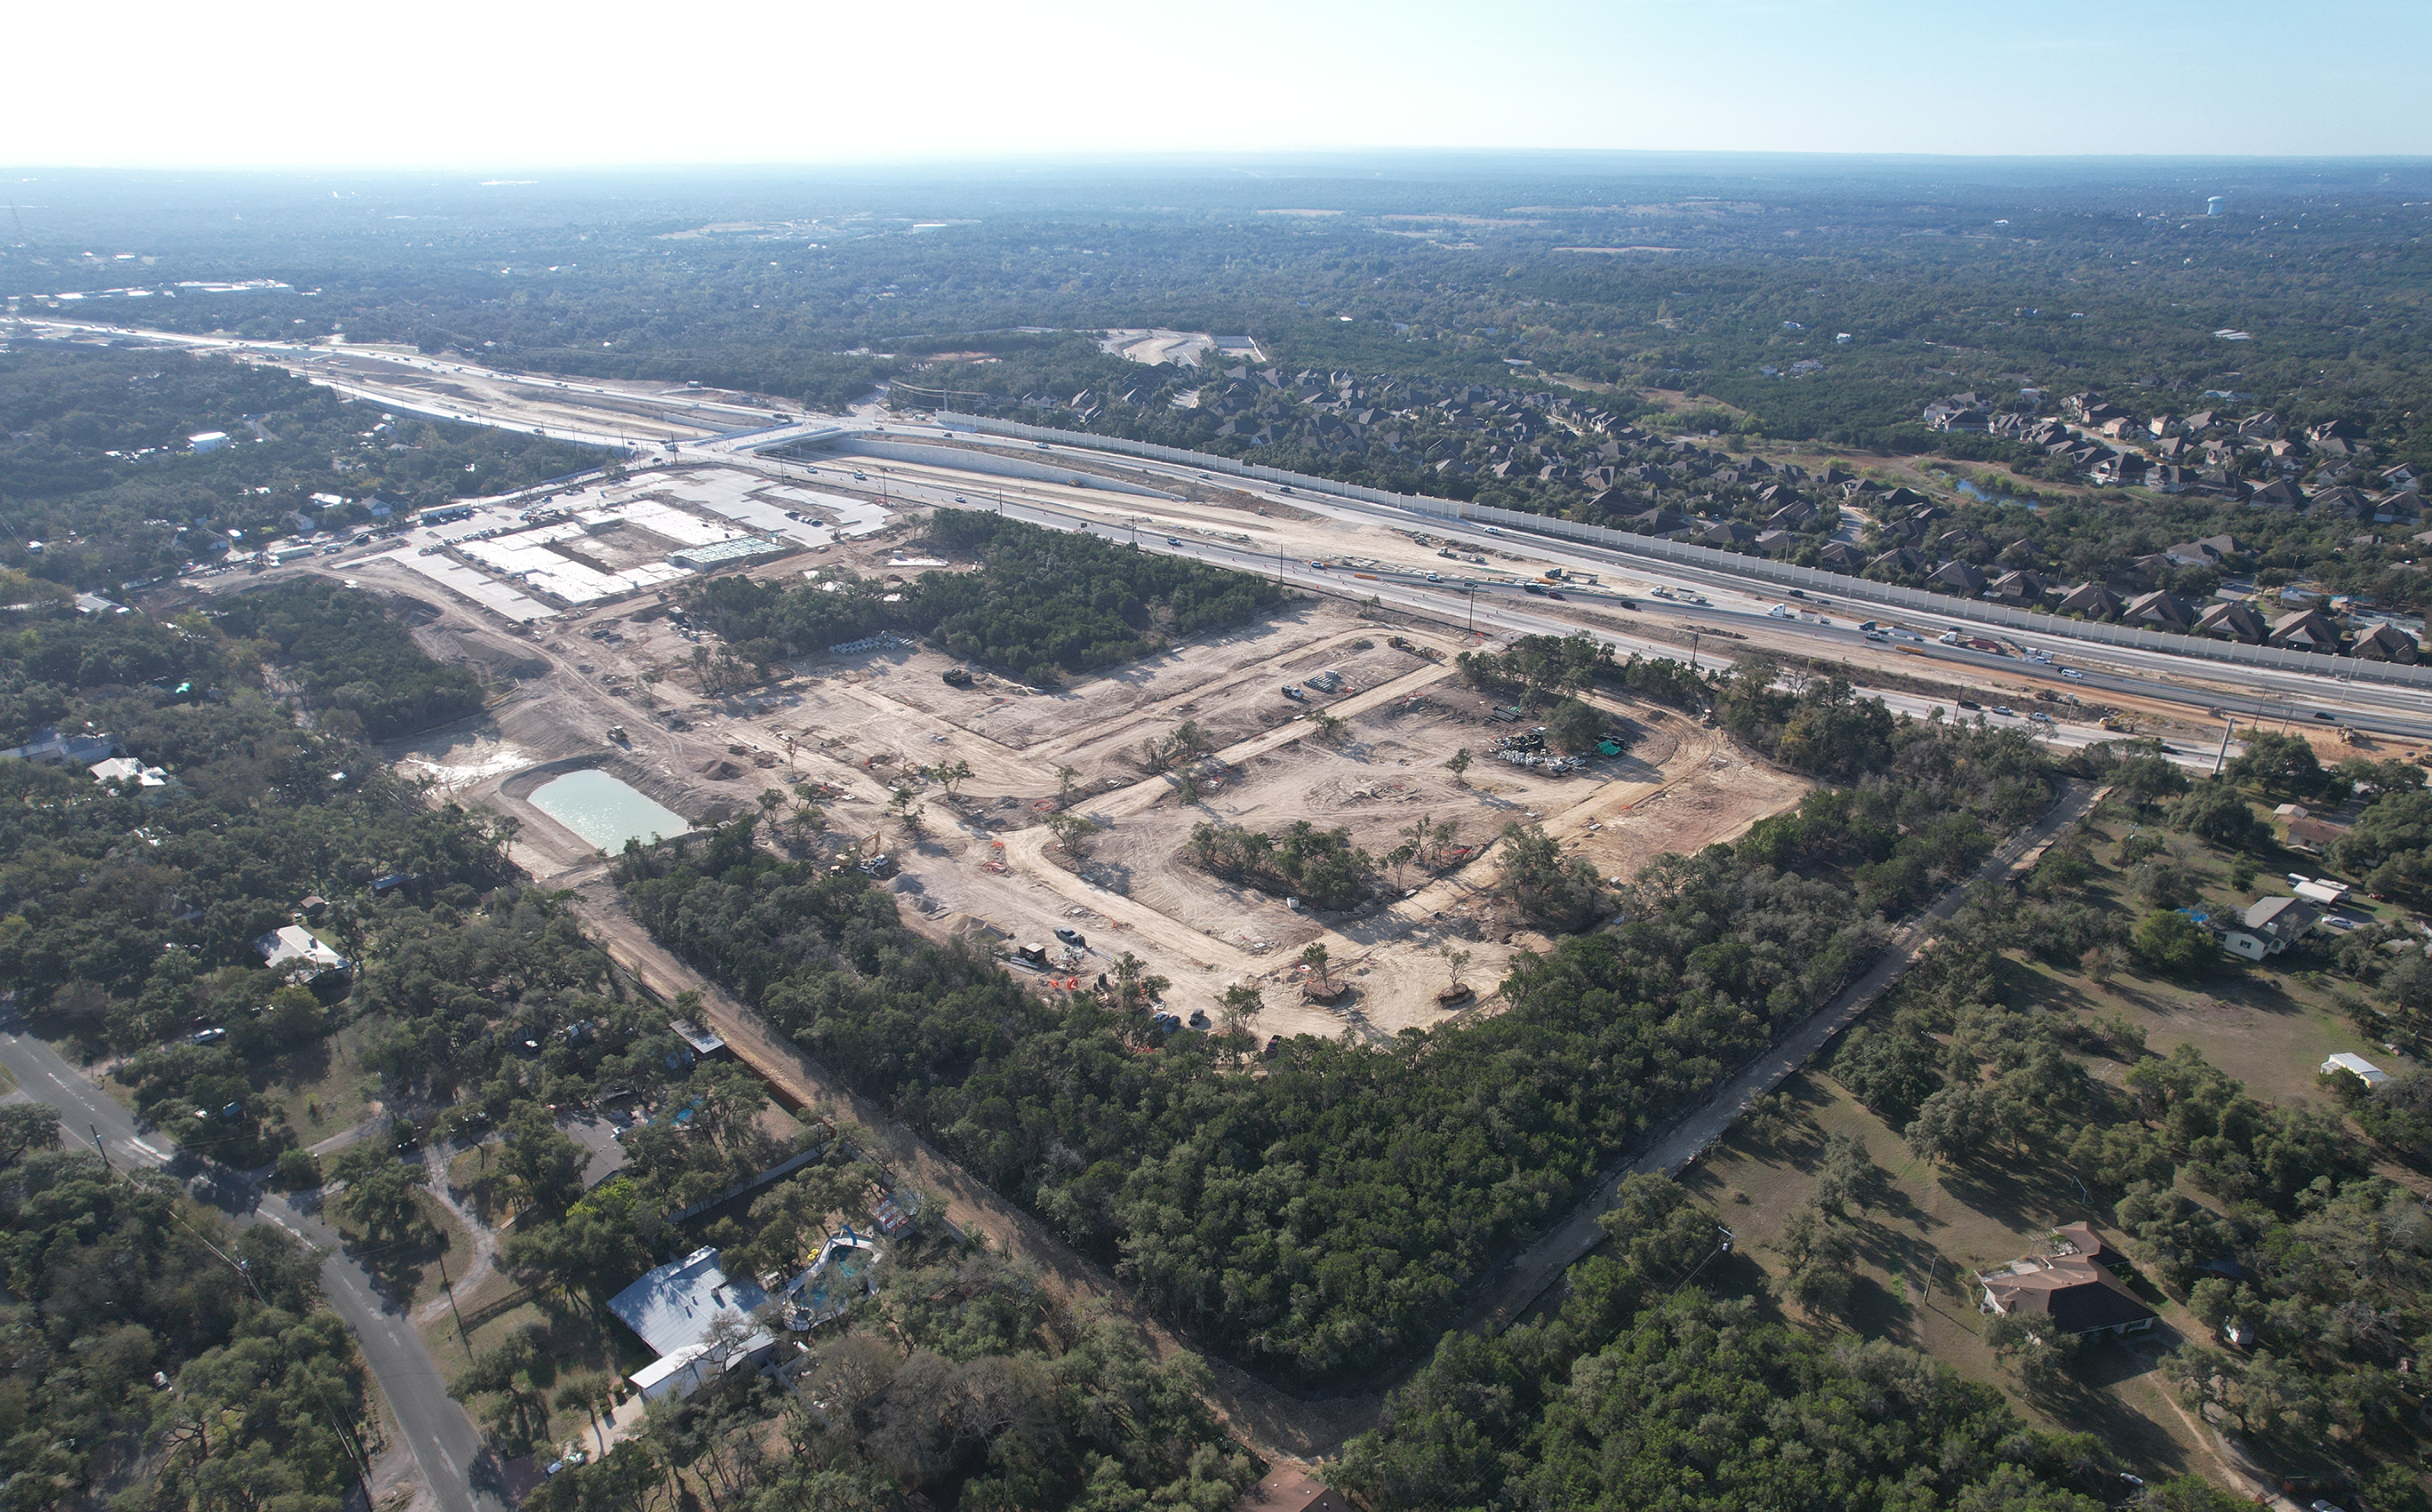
467	88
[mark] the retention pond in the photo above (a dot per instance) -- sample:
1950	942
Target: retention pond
604	811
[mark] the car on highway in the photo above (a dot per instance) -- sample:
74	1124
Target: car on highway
1435	576
1319	565
958	499
1537	588
1550	594
2005	712
2326	716
2072	674
1877	635
1173	540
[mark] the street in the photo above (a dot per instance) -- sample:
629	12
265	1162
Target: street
445	1445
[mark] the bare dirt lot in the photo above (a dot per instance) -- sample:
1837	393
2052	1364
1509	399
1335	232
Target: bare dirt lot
983	861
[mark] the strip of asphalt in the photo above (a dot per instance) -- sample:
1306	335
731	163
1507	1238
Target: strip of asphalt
457	1468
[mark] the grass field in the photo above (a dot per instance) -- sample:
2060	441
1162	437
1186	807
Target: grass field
1930	1228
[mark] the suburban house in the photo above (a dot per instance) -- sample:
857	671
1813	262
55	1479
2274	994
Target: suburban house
2201	553
2313	834
2269	925
127	769
2073	1286
2307	630
2092	601
2024	586
2235	621
291	950
1960	575
2386	641
2162	610
2356	1065
677	1308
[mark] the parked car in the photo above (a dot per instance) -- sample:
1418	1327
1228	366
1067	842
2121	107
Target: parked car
1071	937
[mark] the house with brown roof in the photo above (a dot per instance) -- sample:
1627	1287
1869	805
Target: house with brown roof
2091	599
2162	610
2306	629
1959	576
2386	641
2024	587
2074	1288
1901	561
2233	621
2313	834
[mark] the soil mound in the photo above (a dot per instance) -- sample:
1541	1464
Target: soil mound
720	771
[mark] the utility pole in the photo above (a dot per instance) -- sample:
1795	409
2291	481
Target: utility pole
2230	723
1692	649
98	1146
449	1287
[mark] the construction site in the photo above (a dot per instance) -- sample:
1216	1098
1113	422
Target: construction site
1067	845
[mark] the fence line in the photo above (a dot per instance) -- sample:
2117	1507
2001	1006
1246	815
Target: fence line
1687	554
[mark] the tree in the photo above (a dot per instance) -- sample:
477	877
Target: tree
2030	1345
1312	955
382	1190
1575	724
1849	1174
2276	763
1564	893
1454	961
1458	763
949	775
2169	942
2217	811
1818	1259
2390	846
25	1127
1241	1006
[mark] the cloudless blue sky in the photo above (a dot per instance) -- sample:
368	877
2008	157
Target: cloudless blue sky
506	83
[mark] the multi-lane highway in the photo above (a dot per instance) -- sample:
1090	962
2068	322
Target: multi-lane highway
445	1446
705	426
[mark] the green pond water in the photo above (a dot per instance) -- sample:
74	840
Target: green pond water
605	811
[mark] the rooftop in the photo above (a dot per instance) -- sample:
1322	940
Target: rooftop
673	1308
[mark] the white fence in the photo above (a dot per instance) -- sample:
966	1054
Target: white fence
1888	595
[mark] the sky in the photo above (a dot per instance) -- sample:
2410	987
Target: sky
512	84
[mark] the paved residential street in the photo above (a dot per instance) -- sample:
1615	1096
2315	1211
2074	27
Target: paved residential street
442	1439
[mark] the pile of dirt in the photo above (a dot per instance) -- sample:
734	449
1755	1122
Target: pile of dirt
721	771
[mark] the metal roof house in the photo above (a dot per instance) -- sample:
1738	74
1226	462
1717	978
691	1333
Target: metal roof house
2356	1065
291	950
2268	926
675	1308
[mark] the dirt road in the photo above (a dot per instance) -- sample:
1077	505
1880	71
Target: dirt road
1276	1426
1527	1276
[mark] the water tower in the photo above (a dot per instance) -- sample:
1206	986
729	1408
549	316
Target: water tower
2217	205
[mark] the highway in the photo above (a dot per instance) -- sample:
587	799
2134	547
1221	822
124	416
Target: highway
709	428
446	1448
